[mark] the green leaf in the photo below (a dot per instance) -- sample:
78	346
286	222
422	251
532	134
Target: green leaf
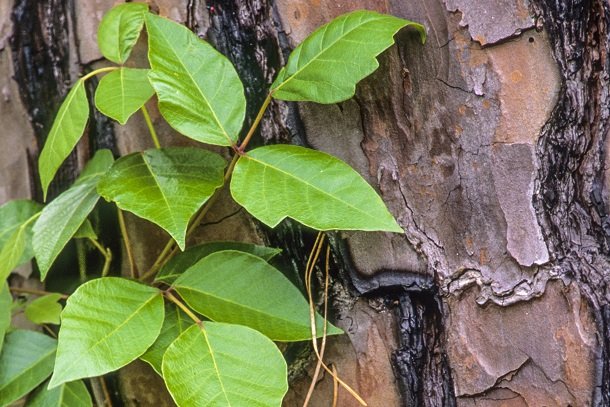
312	187
240	288
119	31
16	249
224	365
326	67
174	324
67	129
25	362
73	394
44	310
61	219
86	231
180	263
6	304
200	94
12	215
123	92
166	186
107	323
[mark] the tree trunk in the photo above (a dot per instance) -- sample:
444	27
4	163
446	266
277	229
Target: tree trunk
488	144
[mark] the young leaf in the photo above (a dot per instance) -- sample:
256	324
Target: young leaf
73	394
62	218
25	362
312	187
67	129
240	288
326	67
44	310
174	324
123	92
17	249
166	186
119	31
180	263
224	365
107	323
6	302
200	94
85	231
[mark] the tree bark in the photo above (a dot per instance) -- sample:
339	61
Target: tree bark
488	144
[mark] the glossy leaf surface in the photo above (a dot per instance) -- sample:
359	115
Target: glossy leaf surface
123	92
44	310
61	219
165	186
26	361
107	323
200	93
119	31
328	64
174	324
6	301
181	262
73	394
312	187
240	288
67	129
224	365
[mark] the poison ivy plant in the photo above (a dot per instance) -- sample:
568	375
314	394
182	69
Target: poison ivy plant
110	321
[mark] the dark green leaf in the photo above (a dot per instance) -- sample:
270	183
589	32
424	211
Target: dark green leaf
200	93
240	288
67	129
312	187
166	186
73	394
25	362
224	365
180	263
107	323
123	92
119	30
326	67
175	323
61	219
44	310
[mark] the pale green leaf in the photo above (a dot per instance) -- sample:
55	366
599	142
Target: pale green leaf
107	323
309	186
174	324
73	394
67	129
6	304
26	361
240	288
165	186
181	262
86	231
16	249
61	219
224	365
119	30
123	92
12	215
44	310
326	67
200	94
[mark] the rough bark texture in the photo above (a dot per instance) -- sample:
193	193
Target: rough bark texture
488	144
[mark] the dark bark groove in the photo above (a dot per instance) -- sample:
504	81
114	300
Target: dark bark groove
570	151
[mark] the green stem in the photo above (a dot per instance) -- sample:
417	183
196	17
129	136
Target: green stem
107	256
151	128
257	120
183	307
133	269
99	71
82	260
